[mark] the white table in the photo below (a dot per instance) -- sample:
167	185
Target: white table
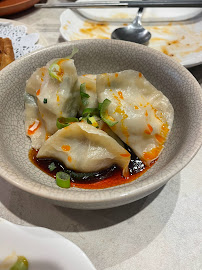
161	231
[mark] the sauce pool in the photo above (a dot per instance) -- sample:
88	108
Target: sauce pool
113	175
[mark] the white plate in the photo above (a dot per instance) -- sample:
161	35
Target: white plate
128	14
181	41
43	248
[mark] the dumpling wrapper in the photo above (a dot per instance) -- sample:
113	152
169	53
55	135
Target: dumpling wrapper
144	114
63	98
84	148
34	125
90	83
103	126
33	84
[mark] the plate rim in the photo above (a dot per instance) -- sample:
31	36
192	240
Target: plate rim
33	230
195	60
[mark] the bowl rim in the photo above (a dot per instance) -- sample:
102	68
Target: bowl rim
116	197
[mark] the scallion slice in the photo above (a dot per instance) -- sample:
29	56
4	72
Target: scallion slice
55	70
99	106
64	122
91	120
90	112
83	94
21	264
52	167
104	113
63	179
74	51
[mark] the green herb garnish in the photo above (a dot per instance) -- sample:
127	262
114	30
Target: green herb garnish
55	70
90	112
99	106
63	179
74	51
45	100
91	120
64	122
83	94
88	115
21	264
52	167
104	113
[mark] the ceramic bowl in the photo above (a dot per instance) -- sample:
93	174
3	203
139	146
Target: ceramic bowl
99	56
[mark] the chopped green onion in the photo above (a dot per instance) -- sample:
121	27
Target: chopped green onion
83	94
104	113
55	70
88	115
84	98
74	51
21	264
63	179
90	112
45	100
88	121
99	106
83	87
64	122
52	166
93	122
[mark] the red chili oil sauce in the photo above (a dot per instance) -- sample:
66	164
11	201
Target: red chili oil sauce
114	178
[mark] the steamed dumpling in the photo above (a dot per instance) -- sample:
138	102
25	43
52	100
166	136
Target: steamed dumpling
90	84
144	114
55	98
103	126
33	84
84	148
34	125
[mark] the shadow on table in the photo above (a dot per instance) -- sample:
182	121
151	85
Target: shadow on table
39	212
122	231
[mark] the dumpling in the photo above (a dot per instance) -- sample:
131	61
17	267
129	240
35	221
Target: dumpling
144	114
84	148
90	89
33	84
103	126
56	98
34	125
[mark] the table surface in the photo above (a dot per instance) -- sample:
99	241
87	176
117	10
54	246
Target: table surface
161	231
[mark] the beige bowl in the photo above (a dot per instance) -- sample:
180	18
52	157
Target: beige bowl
99	56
